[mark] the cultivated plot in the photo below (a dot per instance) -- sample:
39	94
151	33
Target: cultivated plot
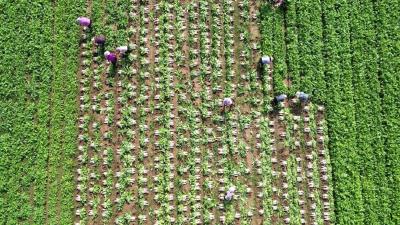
159	145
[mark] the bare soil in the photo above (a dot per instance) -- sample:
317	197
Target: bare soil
242	108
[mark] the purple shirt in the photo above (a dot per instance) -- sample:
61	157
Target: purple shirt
84	21
99	40
111	57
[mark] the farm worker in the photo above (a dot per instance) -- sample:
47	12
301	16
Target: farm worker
111	57
229	193
280	98
100	40
228	196
122	49
84	21
265	60
227	102
302	96
278	3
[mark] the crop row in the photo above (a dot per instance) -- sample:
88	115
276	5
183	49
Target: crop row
63	109
385	18
368	103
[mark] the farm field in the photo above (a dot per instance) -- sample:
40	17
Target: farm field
154	138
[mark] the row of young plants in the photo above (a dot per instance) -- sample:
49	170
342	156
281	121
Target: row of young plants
269	125
265	155
148	178
84	122
294	215
129	170
185	198
89	140
246	86
324	163
210	57
280	149
228	142
205	57
251	85
218	62
131	125
299	146
163	121
101	104
209	68
314	169
307	143
104	100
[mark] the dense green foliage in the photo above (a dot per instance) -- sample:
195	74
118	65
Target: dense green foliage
38	111
344	54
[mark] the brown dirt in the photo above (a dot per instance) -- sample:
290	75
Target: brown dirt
198	85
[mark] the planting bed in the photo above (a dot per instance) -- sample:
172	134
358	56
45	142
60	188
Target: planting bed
156	145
